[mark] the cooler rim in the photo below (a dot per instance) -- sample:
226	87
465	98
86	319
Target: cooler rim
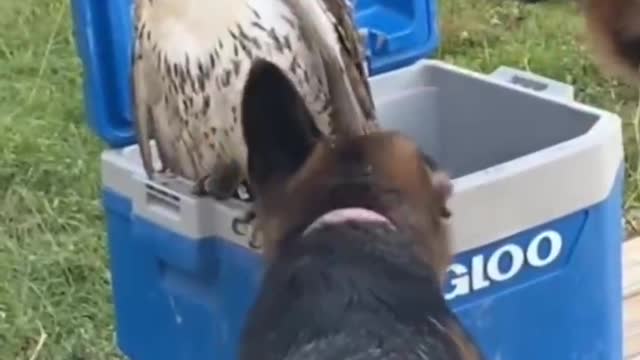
505	187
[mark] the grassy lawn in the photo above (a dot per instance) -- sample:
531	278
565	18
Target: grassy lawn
54	279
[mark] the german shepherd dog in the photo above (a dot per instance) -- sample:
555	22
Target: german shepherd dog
355	240
614	29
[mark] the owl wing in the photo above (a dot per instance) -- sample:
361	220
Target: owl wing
353	54
329	26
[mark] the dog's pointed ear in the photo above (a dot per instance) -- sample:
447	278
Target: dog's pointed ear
441	182
443	188
278	127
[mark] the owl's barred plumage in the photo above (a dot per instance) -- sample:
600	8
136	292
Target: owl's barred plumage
191	62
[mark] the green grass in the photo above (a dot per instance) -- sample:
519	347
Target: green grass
54	281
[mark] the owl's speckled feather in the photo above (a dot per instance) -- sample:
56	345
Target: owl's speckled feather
191	61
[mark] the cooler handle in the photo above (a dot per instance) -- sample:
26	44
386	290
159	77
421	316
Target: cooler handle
534	82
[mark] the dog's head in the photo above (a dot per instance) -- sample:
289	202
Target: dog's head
614	29
298	176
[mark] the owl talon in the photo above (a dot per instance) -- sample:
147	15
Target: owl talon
166	172
221	183
207	186
241	225
199	187
254	243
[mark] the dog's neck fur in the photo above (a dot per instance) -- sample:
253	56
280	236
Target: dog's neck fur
348	280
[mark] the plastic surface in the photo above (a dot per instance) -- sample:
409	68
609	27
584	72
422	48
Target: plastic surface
528	139
170	306
400	32
534	82
536	221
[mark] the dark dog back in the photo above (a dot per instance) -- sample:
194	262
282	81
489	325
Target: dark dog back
353	289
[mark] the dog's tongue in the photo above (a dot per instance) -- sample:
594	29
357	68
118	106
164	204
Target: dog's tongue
348	214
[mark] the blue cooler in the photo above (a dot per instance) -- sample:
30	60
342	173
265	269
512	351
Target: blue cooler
536	220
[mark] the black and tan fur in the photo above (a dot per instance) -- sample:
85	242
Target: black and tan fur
353	290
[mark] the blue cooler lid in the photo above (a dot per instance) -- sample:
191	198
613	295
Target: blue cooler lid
400	33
